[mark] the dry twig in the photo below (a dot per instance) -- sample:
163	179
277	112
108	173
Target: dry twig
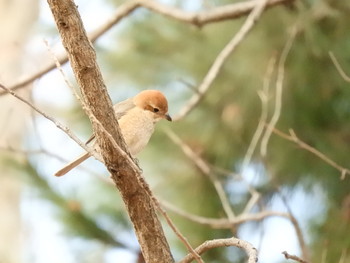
296	226
177	232
246	246
279	89
259	131
205	169
223	223
338	67
263	95
293	257
65	129
293	138
221	59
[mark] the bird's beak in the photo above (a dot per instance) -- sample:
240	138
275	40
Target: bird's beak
167	117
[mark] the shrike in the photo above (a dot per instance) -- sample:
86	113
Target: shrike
137	117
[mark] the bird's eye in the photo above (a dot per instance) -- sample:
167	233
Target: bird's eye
155	109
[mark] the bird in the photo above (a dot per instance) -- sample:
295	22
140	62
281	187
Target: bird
137	117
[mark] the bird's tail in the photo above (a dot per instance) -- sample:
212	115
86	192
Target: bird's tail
72	164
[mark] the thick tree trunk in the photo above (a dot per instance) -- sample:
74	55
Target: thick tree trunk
124	172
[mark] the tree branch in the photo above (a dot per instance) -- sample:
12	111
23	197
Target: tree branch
296	226
293	138
279	89
82	56
339	68
246	246
288	256
205	169
215	68
59	125
223	223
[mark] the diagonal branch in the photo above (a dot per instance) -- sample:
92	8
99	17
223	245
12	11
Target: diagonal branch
59	125
246	246
205	169
221	59
293	138
339	68
82	57
279	89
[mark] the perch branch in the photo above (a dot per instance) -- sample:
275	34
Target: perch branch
246	246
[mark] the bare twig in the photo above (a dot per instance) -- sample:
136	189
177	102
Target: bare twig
246	246
293	138
60	69
221	59
44	152
177	232
293	257
30	152
214	14
279	89
205	169
197	18
253	199
28	80
259	130
338	67
65	129
296	226
263	95
223	223
225	172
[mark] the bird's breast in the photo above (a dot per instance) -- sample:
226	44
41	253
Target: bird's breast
137	127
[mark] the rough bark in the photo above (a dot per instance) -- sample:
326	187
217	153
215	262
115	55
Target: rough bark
139	205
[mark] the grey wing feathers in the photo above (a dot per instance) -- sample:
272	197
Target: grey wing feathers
122	107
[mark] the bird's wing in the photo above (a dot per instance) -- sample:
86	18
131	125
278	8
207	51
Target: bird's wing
123	107
120	109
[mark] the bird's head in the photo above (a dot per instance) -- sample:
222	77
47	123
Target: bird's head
155	102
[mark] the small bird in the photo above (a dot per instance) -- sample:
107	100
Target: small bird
137	117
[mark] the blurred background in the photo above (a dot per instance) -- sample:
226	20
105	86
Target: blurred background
81	218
